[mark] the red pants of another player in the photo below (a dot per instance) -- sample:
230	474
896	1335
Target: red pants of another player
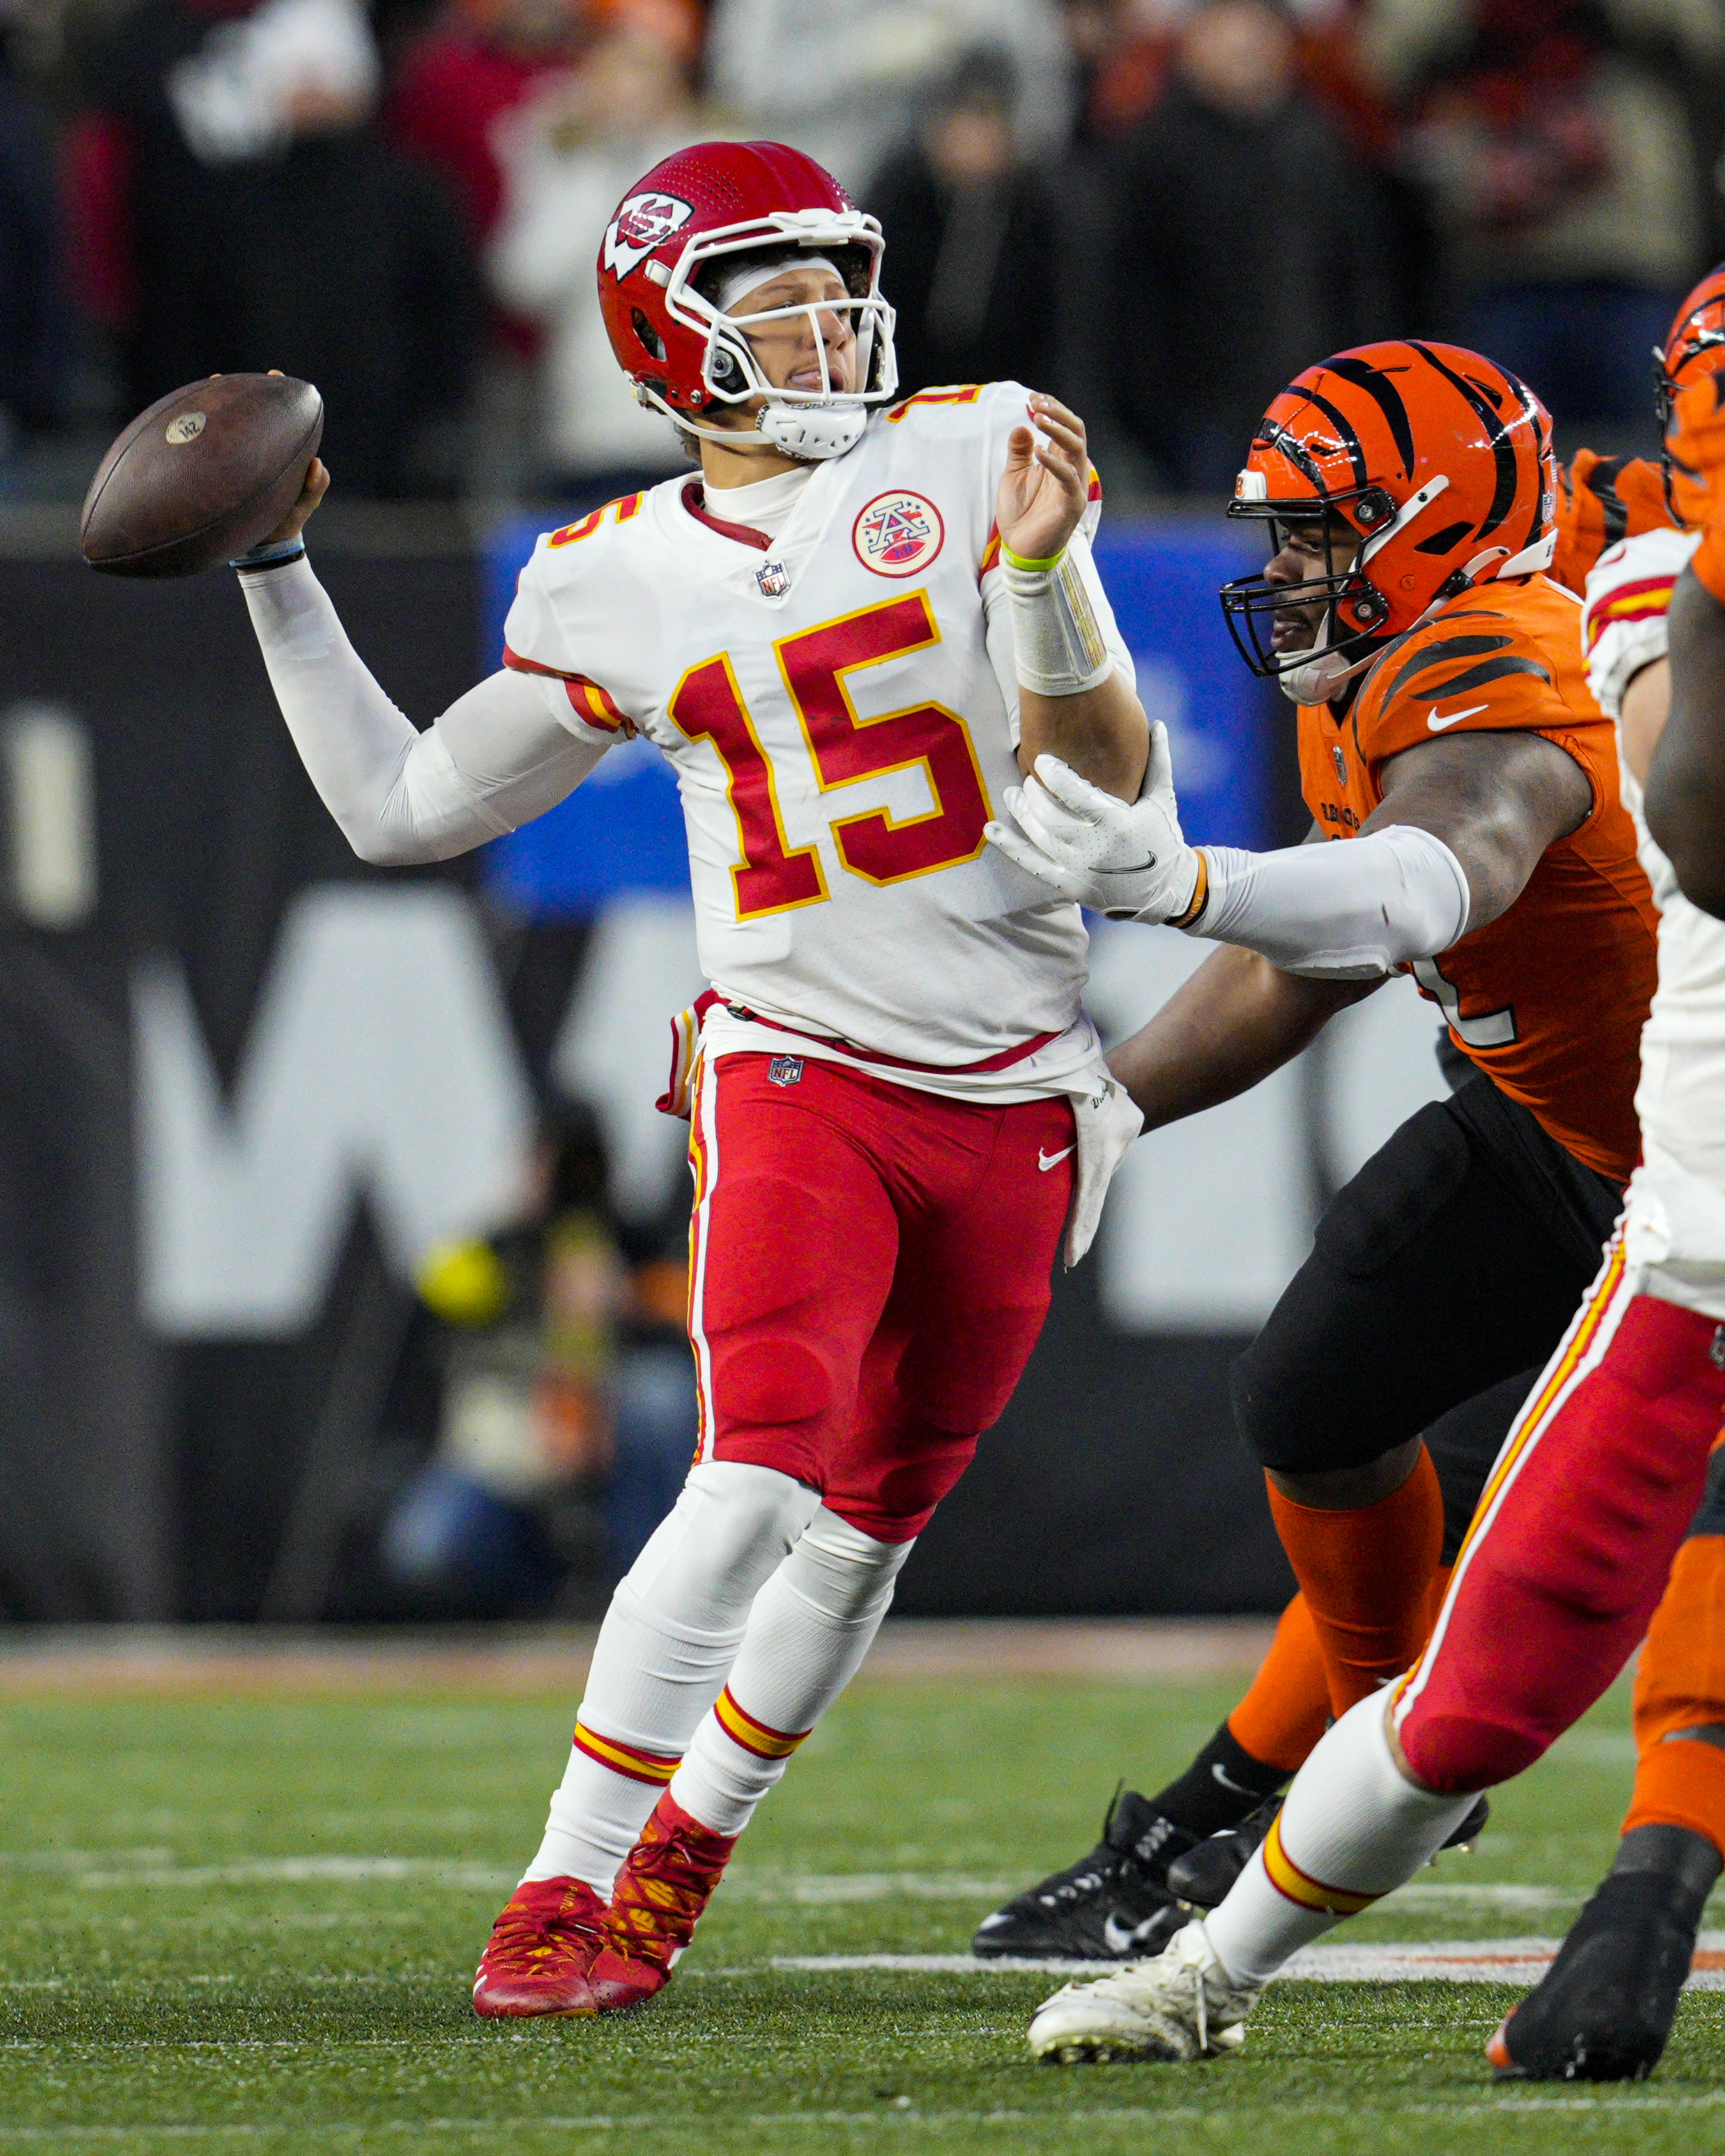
869	1272
1568	1552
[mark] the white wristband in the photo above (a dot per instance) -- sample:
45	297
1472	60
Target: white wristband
1350	911
1057	641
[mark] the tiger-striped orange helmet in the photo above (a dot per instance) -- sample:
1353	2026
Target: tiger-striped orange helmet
1429	469
1695	347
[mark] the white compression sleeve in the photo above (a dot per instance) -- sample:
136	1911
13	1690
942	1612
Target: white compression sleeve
498	756
1345	911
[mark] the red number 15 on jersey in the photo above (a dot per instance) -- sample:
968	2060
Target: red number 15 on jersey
771	876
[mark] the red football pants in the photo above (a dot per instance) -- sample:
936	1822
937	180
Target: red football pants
1569	1550
869	1272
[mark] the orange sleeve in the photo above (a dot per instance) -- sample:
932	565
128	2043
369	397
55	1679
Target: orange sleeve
1471	673
1708	561
1640	484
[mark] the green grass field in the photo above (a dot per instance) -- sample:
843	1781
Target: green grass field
251	1925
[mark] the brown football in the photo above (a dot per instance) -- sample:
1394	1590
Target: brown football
202	475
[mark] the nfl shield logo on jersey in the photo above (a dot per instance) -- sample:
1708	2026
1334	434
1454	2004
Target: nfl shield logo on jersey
643	223
785	1070
895	535
772	579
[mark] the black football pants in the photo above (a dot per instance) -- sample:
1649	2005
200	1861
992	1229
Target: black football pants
1440	1280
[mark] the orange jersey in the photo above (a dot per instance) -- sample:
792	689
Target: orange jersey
1601	500
1548	999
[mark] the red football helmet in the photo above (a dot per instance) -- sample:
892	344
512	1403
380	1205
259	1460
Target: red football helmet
708	205
1436	462
1695	347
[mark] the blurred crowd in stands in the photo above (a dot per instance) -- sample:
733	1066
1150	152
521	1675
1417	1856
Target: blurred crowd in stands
1159	208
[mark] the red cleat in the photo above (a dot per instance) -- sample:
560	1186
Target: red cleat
540	1952
658	1896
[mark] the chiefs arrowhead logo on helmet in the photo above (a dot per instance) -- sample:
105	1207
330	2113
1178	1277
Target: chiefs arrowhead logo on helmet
691	223
642	223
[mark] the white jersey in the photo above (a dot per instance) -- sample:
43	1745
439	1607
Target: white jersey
1676	1220
841	734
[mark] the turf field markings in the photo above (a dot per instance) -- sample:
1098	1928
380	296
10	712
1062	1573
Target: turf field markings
295	1871
812	1888
1504	1894
1518	1961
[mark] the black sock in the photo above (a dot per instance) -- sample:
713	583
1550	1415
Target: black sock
1685	1860
1204	1802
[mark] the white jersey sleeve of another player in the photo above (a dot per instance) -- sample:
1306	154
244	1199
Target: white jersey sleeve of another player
1623	622
996	409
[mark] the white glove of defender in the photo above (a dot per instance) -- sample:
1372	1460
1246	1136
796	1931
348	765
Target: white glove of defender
1124	858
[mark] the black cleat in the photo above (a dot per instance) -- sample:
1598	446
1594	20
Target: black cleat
1204	1874
1604	2011
1112	1906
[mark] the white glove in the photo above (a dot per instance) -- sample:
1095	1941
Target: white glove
1125	858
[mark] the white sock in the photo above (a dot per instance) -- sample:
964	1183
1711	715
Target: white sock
669	1640
1354	1829
812	1624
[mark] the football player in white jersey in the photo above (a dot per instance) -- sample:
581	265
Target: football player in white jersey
843	634
1606	1507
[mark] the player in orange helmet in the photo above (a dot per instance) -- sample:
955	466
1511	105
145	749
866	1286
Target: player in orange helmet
1448	738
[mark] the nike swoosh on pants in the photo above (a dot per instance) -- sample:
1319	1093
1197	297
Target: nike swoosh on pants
1045	1161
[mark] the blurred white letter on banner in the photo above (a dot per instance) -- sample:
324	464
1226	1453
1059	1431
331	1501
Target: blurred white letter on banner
380	1061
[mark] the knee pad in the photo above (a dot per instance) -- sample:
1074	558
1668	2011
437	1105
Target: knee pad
730	1529
837	1569
1456	1754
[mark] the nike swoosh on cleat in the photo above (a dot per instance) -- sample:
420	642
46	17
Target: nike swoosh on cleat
1045	1161
1121	1938
1454	719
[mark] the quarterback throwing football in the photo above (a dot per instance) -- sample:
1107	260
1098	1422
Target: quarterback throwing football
844	634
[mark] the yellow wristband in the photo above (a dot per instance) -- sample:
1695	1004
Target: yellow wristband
1200	896
1018	562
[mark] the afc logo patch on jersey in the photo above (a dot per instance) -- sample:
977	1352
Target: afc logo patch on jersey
785	1070
643	223
896	534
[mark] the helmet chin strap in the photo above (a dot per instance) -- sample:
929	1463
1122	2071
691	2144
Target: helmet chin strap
814	431
817	431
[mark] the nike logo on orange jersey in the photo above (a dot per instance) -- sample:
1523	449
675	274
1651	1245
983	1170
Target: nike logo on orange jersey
1045	1161
1454	719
